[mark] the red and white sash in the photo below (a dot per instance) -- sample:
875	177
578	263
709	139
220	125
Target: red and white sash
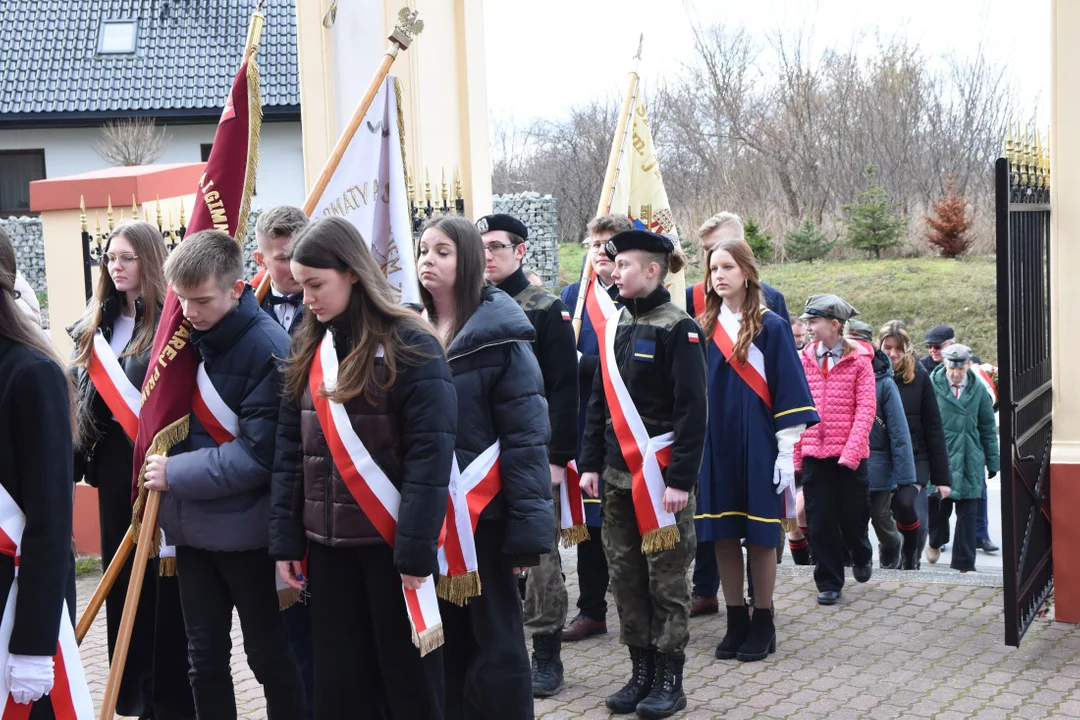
753	373
223	425
698	295
986	381
572	528
470	492
70	695
599	305
645	456
370	487
112	384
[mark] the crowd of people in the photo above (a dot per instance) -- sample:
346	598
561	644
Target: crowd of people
410	473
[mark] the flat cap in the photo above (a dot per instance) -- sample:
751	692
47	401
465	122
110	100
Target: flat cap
638	240
939	334
858	330
956	355
833	307
501	221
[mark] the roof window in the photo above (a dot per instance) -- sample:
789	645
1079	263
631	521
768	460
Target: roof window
117	37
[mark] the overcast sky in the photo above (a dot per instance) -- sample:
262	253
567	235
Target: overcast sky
544	56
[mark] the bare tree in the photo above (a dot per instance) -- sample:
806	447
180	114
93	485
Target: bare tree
131	141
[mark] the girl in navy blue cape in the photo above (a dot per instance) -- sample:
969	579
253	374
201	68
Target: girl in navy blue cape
759	404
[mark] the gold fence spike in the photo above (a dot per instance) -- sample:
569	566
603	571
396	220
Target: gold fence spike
82	212
183	221
159	212
134	208
109	215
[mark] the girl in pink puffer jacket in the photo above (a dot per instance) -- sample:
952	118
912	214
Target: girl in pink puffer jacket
831	455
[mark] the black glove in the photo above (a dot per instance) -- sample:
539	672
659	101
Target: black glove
991	475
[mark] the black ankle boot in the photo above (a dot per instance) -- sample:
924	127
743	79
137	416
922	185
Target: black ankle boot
666	697
761	639
738	627
888	558
800	551
547	667
641	680
909	554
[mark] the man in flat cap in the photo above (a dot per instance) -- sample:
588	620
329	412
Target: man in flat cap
645	430
832	454
555	346
967	415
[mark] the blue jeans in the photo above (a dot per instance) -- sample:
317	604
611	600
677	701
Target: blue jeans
982	519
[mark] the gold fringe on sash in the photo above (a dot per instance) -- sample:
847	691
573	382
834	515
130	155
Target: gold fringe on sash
665	538
458	588
168	567
287	597
789	524
573	535
432	638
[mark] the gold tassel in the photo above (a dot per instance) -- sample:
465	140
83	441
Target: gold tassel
254	100
287	597
433	638
789	524
573	535
164	441
459	588
168	567
665	538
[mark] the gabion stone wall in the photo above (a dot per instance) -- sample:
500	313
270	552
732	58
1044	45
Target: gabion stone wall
540	216
26	235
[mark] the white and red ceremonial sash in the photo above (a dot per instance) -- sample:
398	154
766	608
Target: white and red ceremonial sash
699	297
572	528
599	305
470	492
112	384
986	381
370	487
753	373
70	695
645	456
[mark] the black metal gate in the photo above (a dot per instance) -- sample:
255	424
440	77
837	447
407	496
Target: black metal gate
1024	382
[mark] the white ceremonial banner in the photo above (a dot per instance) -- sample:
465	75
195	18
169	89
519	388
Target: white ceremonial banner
368	189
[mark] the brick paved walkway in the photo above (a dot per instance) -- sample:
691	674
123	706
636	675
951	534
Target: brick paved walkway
925	647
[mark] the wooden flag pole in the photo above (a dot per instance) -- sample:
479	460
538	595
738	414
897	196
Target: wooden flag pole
131	604
618	143
106	584
408	27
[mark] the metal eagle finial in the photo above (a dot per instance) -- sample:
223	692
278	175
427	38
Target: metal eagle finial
409	22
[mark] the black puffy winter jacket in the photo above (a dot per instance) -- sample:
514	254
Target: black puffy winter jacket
501	396
927	433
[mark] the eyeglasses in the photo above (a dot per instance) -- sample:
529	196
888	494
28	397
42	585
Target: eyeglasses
496	247
597	246
123	258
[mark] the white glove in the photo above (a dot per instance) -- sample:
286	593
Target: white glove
30	677
784	471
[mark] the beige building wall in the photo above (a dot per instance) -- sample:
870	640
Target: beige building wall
442	74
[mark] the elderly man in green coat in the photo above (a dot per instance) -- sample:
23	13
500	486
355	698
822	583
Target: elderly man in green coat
967	414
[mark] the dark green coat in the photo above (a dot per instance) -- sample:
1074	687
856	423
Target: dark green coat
970	433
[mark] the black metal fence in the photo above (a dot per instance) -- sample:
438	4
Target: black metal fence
1025	381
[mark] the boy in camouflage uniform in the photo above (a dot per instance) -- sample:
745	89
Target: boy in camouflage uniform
556	351
658	354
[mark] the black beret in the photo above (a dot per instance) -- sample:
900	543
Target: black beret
501	221
939	334
638	240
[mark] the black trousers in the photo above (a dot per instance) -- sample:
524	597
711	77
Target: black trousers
592	576
298	626
365	662
211	585
488	675
155	680
967	518
837	512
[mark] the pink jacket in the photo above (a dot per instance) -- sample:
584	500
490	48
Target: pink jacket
846	401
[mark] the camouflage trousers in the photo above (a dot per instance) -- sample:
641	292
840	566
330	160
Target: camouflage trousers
545	589
652	591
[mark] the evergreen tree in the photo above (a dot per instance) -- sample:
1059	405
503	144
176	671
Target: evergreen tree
808	243
950	223
873	224
758	240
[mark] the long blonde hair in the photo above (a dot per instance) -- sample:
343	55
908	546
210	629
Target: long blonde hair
750	324
897	330
146	240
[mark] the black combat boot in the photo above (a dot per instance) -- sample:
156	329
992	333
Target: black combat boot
800	551
547	669
641	681
889	558
666	697
761	640
909	554
738	627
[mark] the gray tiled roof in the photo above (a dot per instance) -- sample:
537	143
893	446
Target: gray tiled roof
187	54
